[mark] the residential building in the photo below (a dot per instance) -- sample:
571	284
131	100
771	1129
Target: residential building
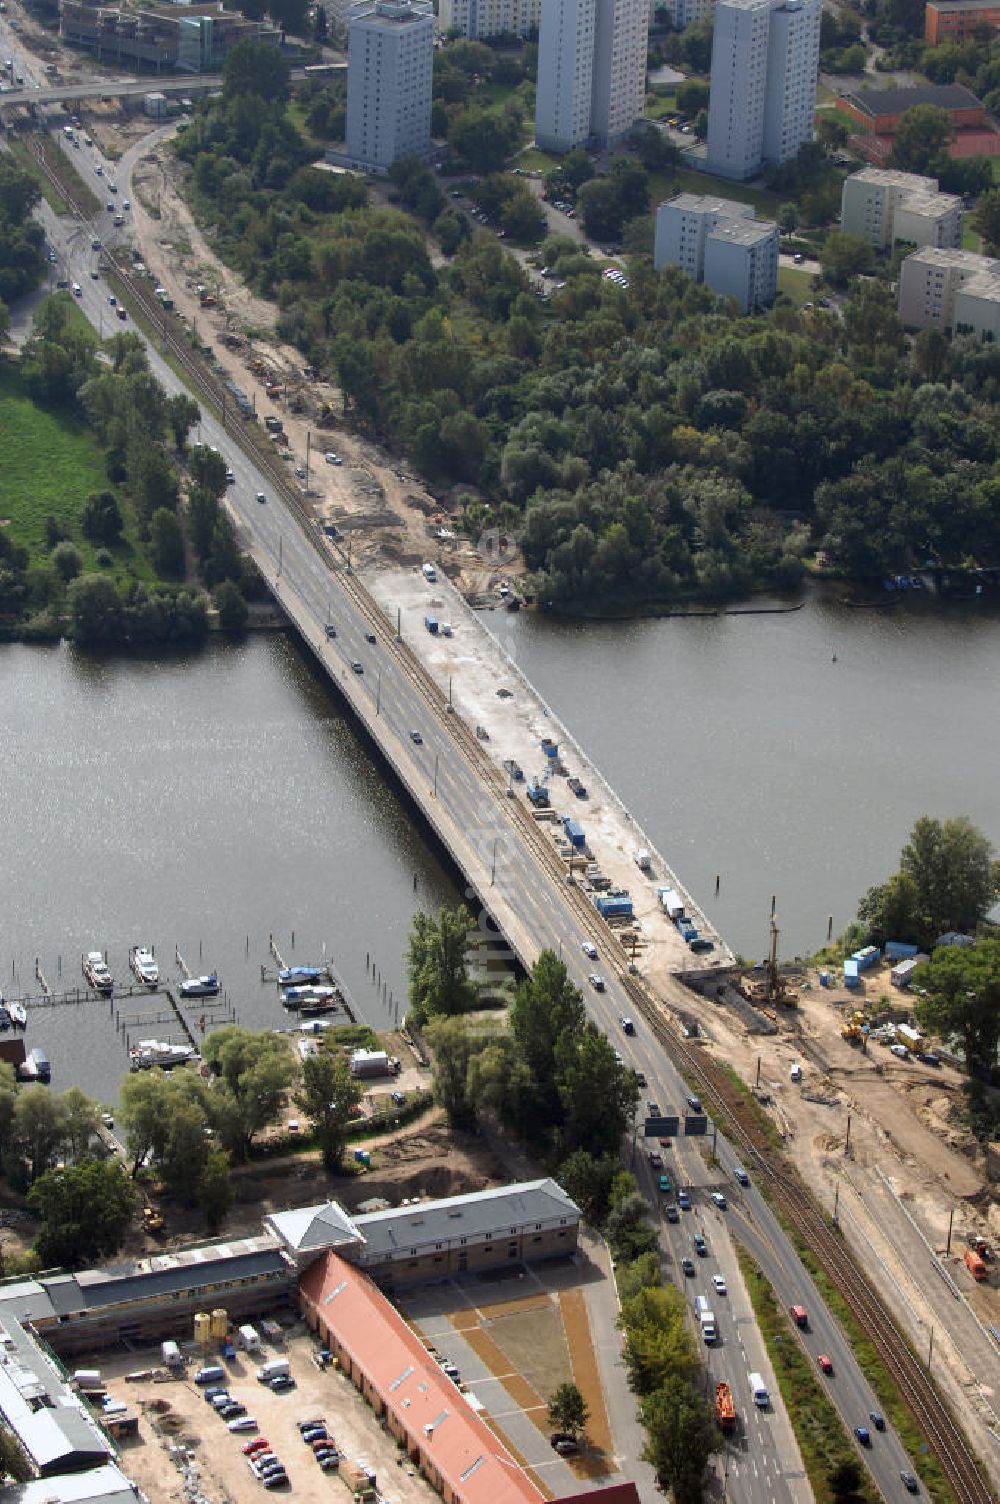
685	12
618	95
591	71
482	19
883	206
565	74
954	20
765	66
390	57
950	290
719	242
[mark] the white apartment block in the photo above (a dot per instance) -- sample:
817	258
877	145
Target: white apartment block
950	289
765	65
618	95
720	243
591	71
390	56
482	19
884	206
565	74
685	12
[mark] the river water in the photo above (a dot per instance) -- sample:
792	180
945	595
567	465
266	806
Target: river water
747	752
205	803
211	802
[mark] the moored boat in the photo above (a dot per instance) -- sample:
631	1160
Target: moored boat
96	971
293	976
18	1015
207	986
144	966
148	1053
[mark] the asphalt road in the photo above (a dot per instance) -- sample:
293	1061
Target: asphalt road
439	775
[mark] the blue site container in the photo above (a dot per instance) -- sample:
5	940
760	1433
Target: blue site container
867	957
824	979
852	977
899	950
574	834
614	905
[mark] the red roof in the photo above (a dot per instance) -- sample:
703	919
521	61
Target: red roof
473	1463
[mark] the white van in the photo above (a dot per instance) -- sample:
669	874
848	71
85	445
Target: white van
277	1368
429	572
170	1354
758	1389
796	1072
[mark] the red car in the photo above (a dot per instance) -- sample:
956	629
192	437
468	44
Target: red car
825	1364
259	1444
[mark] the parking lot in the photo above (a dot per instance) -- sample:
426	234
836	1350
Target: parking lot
178	1428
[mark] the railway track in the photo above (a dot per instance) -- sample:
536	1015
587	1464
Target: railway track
730	1109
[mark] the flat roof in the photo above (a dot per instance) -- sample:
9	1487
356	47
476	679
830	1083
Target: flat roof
705	203
893	177
477	1215
473	1463
895	101
744	231
941	255
98	1485
48	1418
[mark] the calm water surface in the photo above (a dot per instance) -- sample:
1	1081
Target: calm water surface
206	803
210	802
746	751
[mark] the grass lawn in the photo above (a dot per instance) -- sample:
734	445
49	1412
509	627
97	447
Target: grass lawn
661	101
662	186
796	284
822	1438
970	240
533	160
52	462
995	164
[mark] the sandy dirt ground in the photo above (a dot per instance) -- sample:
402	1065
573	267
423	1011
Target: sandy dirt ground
182	1441
387	513
489	692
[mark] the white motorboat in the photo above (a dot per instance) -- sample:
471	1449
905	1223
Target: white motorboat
143	964
95	969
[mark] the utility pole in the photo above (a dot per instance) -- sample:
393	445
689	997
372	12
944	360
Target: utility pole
930	1348
847	1140
951	1222
308	453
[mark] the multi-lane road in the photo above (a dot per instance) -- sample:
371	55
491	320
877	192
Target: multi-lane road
510	868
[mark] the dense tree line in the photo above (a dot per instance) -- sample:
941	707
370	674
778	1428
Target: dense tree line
22	240
143	434
653	444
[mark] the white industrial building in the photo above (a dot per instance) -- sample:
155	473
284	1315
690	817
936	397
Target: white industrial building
951	290
765	65
390	58
719	242
482	19
883	206
591	71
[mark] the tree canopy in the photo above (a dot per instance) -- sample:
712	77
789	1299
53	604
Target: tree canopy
959	994
948	879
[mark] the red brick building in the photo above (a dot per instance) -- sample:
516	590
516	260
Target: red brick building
954	20
875	115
